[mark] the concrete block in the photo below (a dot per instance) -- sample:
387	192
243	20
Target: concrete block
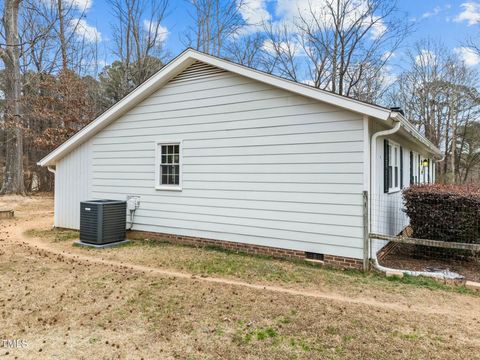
6	214
103	246
472	285
394	274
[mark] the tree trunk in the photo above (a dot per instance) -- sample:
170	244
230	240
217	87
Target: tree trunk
13	179
61	34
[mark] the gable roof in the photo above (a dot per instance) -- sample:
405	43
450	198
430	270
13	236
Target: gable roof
183	61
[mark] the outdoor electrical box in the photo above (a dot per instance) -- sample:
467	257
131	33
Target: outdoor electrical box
102	221
133	202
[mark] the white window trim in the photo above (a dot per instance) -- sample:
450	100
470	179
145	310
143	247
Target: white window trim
158	186
415	168
423	170
427	170
392	145
432	174
420	172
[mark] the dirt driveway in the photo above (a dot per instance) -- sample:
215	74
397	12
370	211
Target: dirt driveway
157	301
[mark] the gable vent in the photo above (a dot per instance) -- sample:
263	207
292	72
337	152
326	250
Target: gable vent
196	71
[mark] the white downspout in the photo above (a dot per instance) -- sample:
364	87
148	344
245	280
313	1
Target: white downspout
439	274
54	172
373	167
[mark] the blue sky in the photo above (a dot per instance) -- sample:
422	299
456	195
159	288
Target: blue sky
452	22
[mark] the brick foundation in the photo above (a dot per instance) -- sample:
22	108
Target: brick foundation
341	262
329	260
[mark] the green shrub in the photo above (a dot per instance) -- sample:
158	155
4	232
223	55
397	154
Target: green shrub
444	212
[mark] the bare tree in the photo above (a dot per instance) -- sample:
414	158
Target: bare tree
438	93
215	23
37	37
10	55
139	39
76	47
55	38
281	49
469	152
343	44
46	62
246	50
61	33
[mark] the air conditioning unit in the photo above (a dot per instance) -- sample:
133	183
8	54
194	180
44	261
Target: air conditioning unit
102	221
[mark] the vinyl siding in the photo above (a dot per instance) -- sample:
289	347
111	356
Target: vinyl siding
387	216
260	165
72	185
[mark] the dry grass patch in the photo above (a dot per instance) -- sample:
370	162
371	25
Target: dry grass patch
71	308
212	261
53	234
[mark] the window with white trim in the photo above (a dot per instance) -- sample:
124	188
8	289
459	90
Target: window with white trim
393	167
168	165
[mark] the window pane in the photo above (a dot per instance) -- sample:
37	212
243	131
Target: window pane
173	175
176	176
163	175
390	177
396	176
165	172
170	175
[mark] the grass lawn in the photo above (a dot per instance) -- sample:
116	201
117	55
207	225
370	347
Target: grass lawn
73	308
210	261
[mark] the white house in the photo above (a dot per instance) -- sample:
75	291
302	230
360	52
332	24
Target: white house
219	151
